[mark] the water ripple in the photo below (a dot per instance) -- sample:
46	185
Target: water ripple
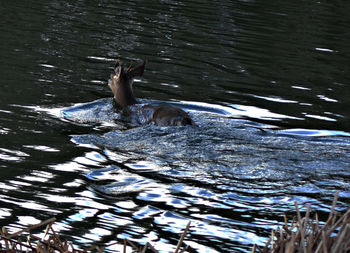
266	82
254	173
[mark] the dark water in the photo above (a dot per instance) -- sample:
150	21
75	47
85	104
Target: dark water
267	83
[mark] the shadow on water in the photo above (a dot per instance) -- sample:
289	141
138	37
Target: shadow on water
229	176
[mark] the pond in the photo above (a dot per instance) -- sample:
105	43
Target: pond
266	83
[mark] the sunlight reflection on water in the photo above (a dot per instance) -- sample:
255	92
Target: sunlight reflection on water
264	88
174	173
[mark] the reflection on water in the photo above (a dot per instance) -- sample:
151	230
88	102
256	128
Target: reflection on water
308	132
266	82
180	172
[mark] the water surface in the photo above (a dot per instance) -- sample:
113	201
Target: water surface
267	84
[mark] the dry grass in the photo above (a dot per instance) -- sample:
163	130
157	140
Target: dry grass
309	236
24	241
303	234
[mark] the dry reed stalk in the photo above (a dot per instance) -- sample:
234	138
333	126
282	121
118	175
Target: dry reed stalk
32	227
13	242
182	237
310	236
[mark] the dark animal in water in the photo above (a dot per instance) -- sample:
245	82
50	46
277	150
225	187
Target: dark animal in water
121	84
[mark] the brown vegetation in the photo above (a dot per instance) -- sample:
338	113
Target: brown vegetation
24	241
309	236
303	234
